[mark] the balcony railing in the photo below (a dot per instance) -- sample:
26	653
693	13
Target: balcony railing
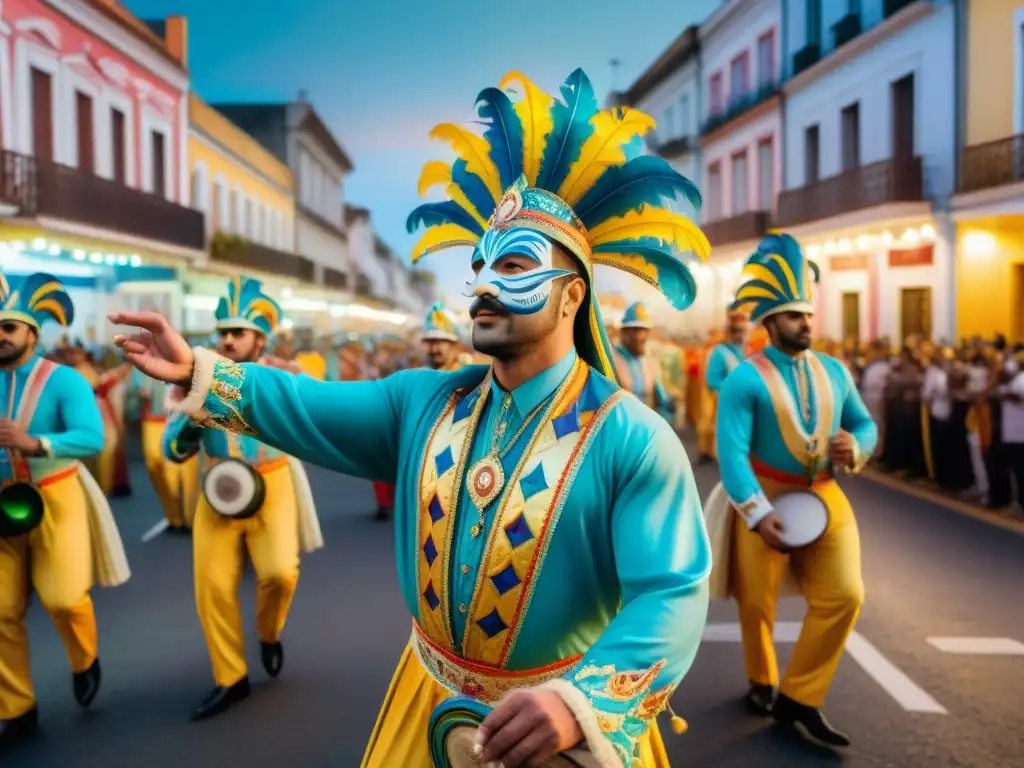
739	105
847	28
806	58
889	181
892	7
744	226
39	187
675	147
239	252
992	164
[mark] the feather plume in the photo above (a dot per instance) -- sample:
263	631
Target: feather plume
44	294
624	188
475	151
58	307
473	189
613	130
760	272
571	128
459	197
441	237
436	214
434	173
504	133
666	226
644	258
534	111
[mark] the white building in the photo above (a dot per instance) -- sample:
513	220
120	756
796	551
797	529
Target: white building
869	162
741	146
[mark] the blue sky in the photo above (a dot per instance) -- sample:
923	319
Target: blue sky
382	73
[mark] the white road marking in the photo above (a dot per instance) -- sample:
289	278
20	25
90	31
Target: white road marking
978	646
155	531
891	678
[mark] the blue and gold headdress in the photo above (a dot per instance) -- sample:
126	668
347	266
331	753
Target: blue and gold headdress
777	278
39	298
246	306
438	325
573	173
636	316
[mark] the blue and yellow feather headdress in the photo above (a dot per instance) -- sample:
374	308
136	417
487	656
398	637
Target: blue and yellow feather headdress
636	316
438	325
246	306
776	278
573	172
39	298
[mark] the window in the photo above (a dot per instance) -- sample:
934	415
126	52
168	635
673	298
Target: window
714	201
851	136
811	155
42	115
668	126
766	175
158	142
740	183
715	94
118	145
220	206
916	312
738	82
766	59
903	117
199	201
684	116
247	225
813	18
83	124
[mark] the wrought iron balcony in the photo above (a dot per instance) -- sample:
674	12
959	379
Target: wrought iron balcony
39	187
892	7
992	164
744	226
847	28
738	105
897	180
806	58
239	252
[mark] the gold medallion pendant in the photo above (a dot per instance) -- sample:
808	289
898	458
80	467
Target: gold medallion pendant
486	479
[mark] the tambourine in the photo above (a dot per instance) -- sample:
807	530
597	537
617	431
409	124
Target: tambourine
234	489
21	509
452	731
804	518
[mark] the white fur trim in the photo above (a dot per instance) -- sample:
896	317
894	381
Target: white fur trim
204	361
580	706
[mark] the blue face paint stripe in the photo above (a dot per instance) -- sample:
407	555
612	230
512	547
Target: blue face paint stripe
523	293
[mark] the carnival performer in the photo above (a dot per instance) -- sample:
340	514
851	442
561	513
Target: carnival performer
551	547
788	420
723	359
176	483
255	498
57	533
638	371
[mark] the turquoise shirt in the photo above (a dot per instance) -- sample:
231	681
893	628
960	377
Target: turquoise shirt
624	579
761	419
183	440
66	418
723	360
662	404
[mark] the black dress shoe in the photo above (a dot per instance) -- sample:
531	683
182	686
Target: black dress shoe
809	722
220	699
383	513
760	699
273	657
87	684
18	728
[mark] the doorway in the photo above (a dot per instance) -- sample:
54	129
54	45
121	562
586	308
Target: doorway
851	315
1017	297
903	117
916	313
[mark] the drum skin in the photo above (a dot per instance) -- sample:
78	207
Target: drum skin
234	489
21	509
804	517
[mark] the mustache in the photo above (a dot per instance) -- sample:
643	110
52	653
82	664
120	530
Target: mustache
488	304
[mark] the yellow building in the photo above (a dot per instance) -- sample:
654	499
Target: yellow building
989	205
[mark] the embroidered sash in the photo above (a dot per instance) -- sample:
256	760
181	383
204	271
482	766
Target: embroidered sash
21	471
806	444
731	358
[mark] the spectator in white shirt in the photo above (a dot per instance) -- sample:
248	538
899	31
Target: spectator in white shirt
1012	394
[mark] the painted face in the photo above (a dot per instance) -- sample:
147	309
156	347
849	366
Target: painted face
520	293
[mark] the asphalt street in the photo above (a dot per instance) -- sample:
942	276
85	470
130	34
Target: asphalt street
931	573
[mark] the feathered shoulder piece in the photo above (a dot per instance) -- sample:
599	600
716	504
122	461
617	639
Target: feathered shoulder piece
776	278
247	307
572	171
38	299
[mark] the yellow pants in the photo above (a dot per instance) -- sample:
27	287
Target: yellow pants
706	425
271	537
400	736
829	576
56	560
177	485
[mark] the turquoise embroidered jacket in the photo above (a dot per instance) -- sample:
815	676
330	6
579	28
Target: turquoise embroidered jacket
623	578
760	417
638	379
66	419
183	439
723	360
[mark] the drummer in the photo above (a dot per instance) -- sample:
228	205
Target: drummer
788	419
271	532
69	542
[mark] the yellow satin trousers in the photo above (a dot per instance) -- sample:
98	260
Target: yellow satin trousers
400	736
706	425
271	537
55	559
102	466
828	574
177	485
